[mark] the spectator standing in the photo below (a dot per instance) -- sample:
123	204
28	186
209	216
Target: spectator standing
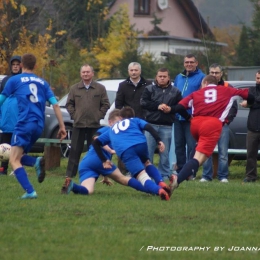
159	101
187	82
253	132
9	110
129	94
87	103
32	93
130	90
207	174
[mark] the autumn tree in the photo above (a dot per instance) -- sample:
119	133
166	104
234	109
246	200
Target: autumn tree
110	50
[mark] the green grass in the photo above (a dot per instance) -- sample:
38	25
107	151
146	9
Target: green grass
119	223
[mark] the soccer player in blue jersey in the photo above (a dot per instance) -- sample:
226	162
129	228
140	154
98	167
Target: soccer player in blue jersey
127	139
91	167
32	93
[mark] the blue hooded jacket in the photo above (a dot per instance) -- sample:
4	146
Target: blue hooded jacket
9	109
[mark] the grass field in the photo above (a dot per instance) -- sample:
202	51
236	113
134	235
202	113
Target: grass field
201	221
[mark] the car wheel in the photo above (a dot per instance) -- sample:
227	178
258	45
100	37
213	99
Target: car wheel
65	148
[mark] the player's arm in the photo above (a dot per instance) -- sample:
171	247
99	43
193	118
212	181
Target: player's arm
62	131
97	145
182	111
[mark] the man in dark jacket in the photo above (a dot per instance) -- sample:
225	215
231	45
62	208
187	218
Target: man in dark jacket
217	71
253	132
9	110
130	91
159	100
129	94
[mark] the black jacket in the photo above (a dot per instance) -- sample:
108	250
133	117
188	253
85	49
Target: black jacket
129	95
253	121
153	96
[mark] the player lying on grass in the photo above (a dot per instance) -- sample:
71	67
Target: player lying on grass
210	106
129	142
91	167
32	93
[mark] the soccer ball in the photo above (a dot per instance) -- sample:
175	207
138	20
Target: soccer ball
5	150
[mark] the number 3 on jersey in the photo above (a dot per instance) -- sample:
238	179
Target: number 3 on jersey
210	95
34	90
121	126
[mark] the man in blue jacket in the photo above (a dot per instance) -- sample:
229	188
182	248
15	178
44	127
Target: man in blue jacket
187	82
9	110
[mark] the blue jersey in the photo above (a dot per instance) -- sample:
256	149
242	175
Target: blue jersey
124	134
31	93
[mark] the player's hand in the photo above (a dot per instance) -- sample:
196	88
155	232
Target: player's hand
161	147
106	181
243	103
107	164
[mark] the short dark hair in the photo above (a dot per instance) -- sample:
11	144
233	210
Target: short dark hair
113	114
190	55
127	112
258	72
216	65
163	70
28	61
210	79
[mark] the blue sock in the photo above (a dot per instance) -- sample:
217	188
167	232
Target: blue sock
135	184
153	172
22	178
188	169
28	160
78	189
151	187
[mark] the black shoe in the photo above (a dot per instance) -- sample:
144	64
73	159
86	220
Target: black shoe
3	173
249	180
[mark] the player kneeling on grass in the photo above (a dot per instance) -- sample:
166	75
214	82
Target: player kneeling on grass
210	106
91	167
32	93
129	142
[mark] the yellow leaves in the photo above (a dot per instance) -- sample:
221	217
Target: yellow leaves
14	4
23	9
60	33
49	28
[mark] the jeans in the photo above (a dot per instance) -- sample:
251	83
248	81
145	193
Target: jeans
165	133
222	158
183	137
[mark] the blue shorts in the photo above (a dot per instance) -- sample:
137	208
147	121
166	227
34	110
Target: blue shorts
91	167
135	157
26	134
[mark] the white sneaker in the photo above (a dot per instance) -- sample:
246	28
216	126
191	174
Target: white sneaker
203	180
224	180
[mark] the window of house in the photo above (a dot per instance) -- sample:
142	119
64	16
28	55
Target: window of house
142	7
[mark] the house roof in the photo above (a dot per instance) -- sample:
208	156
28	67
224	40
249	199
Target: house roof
193	15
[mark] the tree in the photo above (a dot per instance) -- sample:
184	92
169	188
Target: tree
110	50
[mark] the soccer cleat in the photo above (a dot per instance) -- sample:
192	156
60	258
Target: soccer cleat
67	186
32	195
40	168
173	182
163	194
165	187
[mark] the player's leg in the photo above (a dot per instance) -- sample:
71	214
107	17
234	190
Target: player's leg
117	176
20	173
